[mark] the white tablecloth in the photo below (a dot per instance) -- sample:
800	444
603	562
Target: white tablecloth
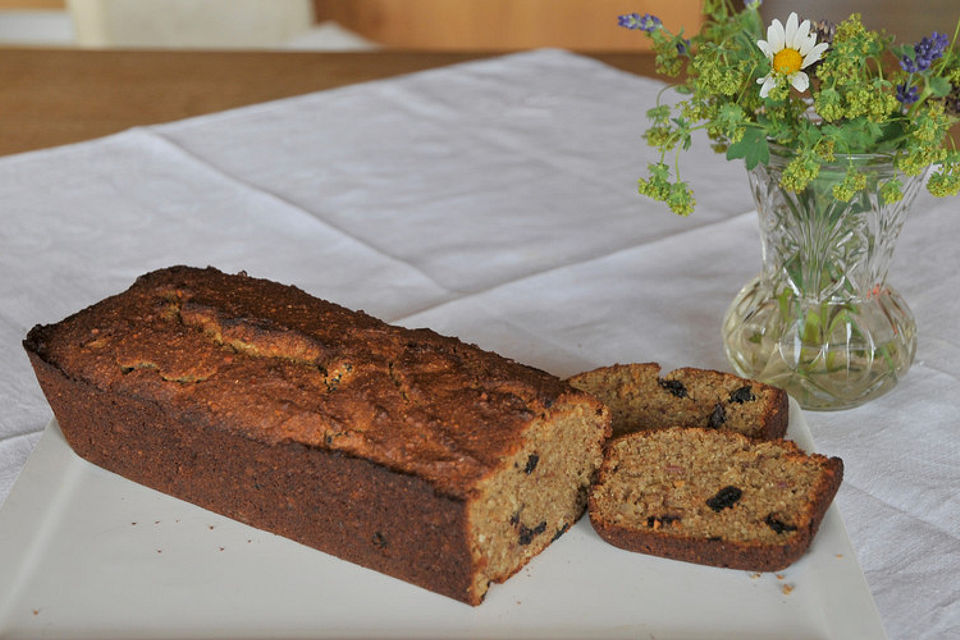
494	201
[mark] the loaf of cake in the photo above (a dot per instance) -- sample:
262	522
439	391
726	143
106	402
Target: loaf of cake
712	497
640	398
404	451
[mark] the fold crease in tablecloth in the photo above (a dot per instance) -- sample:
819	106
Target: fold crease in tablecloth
316	217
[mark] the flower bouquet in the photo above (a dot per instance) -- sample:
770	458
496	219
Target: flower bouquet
839	127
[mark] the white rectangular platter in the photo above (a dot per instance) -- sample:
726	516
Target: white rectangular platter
85	553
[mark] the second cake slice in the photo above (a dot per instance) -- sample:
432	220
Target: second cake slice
712	497
639	398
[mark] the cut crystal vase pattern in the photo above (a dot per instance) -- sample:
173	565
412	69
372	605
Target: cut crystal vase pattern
820	321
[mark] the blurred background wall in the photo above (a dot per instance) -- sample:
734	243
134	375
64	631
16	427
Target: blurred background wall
908	20
584	25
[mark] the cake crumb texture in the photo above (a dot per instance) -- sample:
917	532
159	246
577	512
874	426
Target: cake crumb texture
400	449
640	398
712	497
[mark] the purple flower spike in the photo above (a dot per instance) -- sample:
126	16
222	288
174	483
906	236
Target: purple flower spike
907	96
646	22
934	46
925	52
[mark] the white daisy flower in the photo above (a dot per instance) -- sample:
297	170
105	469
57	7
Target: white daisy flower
789	49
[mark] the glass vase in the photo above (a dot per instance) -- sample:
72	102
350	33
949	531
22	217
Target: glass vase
820	321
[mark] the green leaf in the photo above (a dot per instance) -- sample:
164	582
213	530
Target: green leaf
808	133
891	131
659	114
903	50
776	129
940	87
854	136
659	171
731	117
753	148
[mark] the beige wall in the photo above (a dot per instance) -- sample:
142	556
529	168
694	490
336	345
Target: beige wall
30	5
908	20
188	23
588	25
584	25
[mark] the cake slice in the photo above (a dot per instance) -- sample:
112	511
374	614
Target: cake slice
639	398
712	497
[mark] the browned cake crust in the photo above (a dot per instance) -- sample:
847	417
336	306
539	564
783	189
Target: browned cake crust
401	450
640	398
712	497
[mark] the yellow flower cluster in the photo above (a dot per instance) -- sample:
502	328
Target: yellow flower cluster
676	195
870	102
800	171
944	183
852	183
891	191
716	77
930	126
829	105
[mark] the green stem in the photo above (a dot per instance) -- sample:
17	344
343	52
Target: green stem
946	59
664	90
749	83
